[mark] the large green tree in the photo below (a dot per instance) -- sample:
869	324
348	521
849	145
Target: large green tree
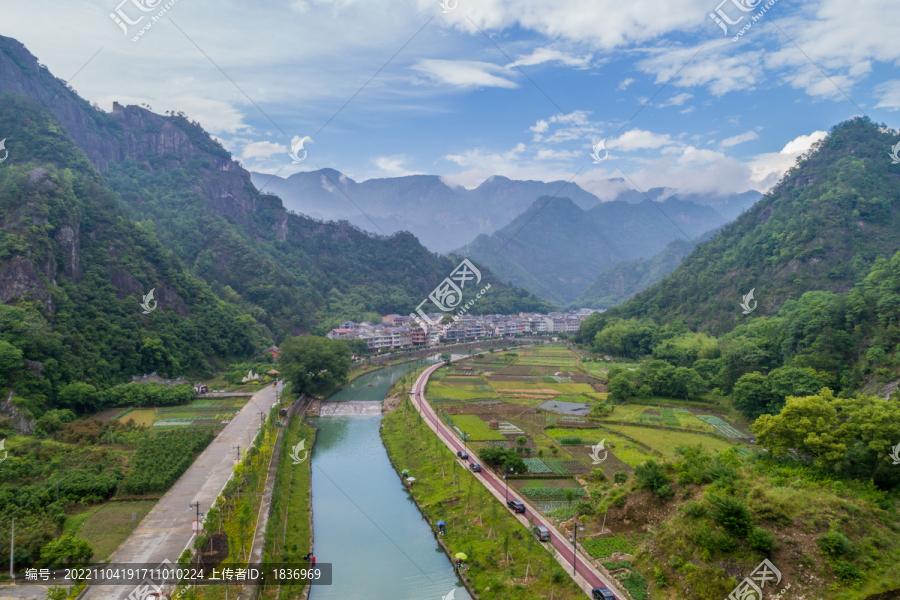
314	365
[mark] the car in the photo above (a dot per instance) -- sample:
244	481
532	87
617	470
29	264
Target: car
463	454
541	533
602	594
476	468
517	506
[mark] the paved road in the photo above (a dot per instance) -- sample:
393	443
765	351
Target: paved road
166	531
588	577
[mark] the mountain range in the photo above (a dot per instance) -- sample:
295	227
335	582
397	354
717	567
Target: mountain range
99	208
556	249
444	216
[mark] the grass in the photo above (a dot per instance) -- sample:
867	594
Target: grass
665	440
287	531
104	529
477	429
471	513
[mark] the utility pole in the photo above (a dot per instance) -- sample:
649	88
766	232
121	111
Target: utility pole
12	547
238	448
196	505
574	545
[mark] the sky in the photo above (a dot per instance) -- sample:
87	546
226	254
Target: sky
469	89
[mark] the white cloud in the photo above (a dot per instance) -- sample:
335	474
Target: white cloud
543	55
393	166
889	93
547	154
677	100
540	127
738	139
802	143
463	73
625	83
638	139
262	150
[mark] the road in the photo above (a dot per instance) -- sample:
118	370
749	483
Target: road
166	530
589	577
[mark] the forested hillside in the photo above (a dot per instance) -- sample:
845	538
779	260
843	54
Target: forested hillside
623	280
74	269
821	228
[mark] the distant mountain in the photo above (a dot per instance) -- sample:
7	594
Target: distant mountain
821	228
557	251
625	279
440	215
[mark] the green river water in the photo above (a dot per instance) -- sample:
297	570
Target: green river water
364	523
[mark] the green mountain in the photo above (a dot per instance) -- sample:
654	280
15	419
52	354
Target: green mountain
293	274
623	280
74	269
821	228
555	249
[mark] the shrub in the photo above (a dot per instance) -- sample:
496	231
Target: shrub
694	509
521	440
650	475
620	477
502	458
636	585
762	540
620	501
162	458
847	571
834	543
598	475
554	450
732	514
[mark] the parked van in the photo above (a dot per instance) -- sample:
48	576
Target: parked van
541	533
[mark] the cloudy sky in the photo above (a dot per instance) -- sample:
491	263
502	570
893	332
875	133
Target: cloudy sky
473	88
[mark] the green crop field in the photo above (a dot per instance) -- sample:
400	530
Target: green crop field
606	546
454	392
666	440
477	429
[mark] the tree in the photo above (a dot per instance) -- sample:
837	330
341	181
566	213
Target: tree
751	394
687	382
314	365
601	409
446	356
620	388
80	397
807	424
67	549
10	361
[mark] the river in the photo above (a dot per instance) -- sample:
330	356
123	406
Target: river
364	522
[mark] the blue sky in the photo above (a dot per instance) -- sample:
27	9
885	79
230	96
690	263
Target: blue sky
734	116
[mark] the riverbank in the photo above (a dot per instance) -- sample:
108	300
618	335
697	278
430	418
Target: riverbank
289	530
500	550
